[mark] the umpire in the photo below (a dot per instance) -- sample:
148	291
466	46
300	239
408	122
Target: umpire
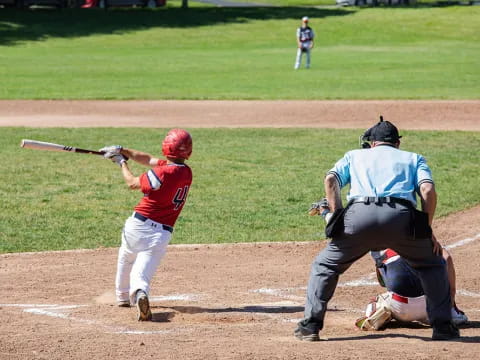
380	214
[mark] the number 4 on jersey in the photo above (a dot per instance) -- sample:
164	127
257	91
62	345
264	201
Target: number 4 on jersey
180	197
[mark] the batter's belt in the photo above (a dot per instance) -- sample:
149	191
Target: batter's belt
140	217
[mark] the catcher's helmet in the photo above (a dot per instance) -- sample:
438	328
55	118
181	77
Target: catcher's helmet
177	144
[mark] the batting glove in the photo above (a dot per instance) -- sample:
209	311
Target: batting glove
119	159
111	150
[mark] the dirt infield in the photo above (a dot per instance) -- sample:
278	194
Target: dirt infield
438	115
238	301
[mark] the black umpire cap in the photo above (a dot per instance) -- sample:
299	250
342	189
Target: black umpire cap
382	131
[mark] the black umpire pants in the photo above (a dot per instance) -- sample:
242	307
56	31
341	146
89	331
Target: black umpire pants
376	227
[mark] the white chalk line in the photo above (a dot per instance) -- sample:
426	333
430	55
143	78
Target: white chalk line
61	312
176	297
41	305
142	332
366	280
54	310
58	311
468	293
463	242
281	293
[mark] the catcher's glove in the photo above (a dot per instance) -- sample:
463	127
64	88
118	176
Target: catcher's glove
377	315
319	208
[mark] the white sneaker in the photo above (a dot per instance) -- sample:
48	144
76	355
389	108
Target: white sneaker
458	316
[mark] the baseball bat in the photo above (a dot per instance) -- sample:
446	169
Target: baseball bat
41	145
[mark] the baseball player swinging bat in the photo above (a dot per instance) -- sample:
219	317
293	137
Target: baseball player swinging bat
40	145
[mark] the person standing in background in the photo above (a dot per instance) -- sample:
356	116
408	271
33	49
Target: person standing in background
305	37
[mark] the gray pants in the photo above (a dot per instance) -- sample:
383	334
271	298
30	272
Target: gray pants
376	227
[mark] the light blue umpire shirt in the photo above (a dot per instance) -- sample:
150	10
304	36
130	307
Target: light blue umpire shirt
382	171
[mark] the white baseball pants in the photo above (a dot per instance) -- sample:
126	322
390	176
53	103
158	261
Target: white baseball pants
410	309
307	50
415	309
144	244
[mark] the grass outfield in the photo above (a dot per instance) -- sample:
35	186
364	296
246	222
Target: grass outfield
249	184
237	53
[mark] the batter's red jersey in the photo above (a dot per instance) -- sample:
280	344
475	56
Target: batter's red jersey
165	189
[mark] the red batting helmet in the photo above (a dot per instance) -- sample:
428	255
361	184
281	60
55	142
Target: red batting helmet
177	144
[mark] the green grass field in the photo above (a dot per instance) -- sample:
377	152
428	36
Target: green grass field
53	201
234	53
64	201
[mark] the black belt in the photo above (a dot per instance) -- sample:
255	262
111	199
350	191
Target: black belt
382	200
144	218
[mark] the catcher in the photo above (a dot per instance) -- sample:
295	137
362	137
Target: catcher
404	301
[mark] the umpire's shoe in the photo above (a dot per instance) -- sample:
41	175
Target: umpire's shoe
445	331
307	331
143	307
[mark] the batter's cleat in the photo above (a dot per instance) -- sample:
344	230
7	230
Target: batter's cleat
458	316
123	303
306	334
143	307
445	331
